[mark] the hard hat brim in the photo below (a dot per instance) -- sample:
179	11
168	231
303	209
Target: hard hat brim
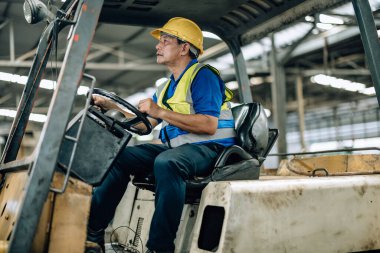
157	33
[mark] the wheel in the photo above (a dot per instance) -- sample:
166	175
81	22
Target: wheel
127	123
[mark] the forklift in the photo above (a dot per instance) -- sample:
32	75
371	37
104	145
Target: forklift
311	204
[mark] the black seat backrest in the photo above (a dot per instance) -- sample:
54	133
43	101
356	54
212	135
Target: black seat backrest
251	125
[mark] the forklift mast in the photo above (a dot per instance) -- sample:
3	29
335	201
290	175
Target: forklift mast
42	164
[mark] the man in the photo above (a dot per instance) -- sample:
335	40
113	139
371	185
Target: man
196	126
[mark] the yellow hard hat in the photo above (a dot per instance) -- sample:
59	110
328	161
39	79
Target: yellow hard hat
183	29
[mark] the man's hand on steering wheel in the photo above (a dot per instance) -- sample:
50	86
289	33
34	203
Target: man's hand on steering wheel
149	107
104	102
136	121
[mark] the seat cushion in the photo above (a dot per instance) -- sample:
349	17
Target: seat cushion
243	170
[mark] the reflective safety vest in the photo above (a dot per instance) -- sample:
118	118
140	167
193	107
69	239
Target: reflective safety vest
182	102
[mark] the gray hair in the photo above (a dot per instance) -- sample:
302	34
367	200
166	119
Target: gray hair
194	51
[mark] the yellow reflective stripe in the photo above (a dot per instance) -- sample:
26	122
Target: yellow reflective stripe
160	93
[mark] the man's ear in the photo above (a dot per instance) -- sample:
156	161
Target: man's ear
185	49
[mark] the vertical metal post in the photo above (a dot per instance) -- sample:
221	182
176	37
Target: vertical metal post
240	70
278	88
46	153
11	42
301	112
26	103
370	40
325	55
336	126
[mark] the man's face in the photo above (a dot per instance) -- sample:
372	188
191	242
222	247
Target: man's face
168	50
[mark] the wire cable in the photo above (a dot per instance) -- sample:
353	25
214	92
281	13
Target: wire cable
126	248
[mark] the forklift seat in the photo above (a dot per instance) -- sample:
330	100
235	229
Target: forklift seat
238	162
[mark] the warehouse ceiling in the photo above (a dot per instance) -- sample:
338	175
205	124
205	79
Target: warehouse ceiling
122	57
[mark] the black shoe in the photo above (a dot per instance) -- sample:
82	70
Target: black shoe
97	238
93	247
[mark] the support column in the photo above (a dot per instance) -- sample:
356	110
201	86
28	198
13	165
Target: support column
240	70
370	40
301	112
11	42
278	89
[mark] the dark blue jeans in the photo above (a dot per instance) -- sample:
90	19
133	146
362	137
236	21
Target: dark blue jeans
171	167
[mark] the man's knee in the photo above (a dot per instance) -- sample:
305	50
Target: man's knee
163	161
168	165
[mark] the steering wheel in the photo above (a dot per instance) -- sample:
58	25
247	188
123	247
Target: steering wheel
126	123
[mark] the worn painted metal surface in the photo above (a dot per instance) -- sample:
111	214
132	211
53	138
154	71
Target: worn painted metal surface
185	230
3	246
324	214
335	164
68	225
10	198
63	219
